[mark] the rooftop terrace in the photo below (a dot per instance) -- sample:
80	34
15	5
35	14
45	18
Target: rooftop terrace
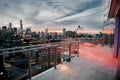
95	62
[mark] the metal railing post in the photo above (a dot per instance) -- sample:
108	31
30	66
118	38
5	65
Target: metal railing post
70	52
29	64
78	50
55	58
48	57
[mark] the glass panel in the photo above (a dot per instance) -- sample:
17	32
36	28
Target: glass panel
16	65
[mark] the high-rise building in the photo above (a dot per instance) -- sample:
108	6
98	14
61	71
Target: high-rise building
0	29
28	33
42	34
21	28
15	31
46	31
21	25
64	32
10	27
4	27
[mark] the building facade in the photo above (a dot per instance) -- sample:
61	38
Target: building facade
115	13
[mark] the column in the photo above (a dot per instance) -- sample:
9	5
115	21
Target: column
55	58
116	37
69	59
78	50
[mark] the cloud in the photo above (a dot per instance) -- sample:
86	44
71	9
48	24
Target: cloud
53	13
92	18
84	14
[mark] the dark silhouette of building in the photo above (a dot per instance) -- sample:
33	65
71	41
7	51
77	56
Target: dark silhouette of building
21	25
10	27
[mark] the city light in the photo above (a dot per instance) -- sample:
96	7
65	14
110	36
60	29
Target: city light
1	73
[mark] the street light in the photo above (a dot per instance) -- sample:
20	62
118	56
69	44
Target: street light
80	28
77	50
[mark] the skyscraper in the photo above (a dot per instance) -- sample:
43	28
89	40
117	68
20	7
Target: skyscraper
4	28
21	28
21	25
46	31
10	27
0	29
28	33
64	32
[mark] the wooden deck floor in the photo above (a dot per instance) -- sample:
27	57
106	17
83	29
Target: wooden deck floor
94	63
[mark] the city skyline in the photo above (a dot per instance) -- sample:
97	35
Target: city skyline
53	14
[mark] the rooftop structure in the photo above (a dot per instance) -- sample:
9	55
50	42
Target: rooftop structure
115	13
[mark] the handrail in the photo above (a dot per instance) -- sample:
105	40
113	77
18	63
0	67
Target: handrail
40	46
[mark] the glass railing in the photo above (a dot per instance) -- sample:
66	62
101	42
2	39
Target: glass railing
25	62
22	63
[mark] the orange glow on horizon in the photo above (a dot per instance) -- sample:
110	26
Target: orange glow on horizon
54	31
58	31
108	32
84	31
89	32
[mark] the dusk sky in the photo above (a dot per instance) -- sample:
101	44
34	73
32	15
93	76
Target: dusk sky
53	14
